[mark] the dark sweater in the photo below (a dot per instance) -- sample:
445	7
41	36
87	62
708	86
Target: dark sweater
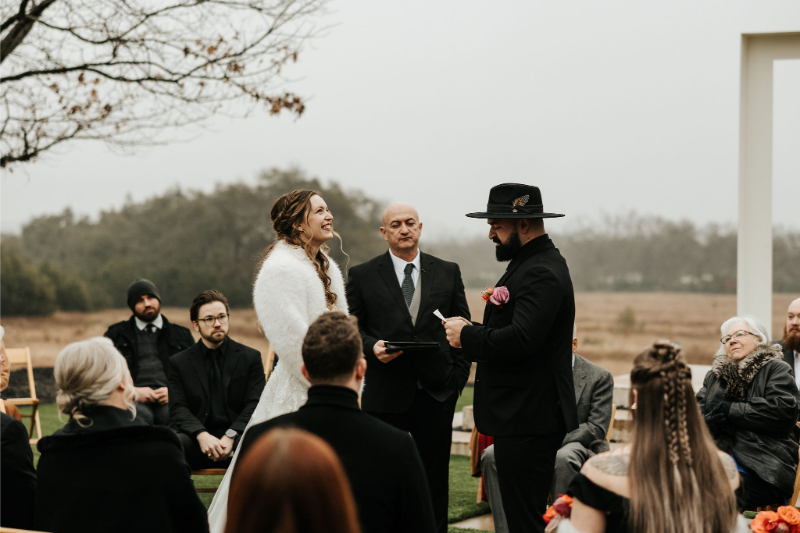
117	475
17	475
381	462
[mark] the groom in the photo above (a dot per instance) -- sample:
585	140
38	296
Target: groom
524	393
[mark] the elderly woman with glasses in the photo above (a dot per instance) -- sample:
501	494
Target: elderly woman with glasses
751	404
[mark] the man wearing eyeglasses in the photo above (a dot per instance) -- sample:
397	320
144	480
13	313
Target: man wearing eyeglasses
147	340
214	386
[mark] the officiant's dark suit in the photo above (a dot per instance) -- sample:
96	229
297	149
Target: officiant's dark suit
193	408
524	392
415	392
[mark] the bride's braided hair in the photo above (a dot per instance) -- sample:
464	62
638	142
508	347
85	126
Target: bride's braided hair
287	211
676	478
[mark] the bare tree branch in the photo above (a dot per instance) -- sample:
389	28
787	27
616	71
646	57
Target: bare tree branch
124	72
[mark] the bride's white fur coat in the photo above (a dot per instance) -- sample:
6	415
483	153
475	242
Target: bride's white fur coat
288	296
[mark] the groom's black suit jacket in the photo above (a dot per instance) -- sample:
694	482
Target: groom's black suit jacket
189	398
374	296
523	383
381	462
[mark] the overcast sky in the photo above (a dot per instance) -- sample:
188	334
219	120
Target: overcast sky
607	106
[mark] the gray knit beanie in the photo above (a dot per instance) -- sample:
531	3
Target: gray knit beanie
139	288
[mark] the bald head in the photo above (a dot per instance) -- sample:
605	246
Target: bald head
401	229
399	211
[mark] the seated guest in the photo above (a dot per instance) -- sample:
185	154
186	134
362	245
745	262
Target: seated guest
18	479
5	374
381	462
594	388
750	403
214	386
147	340
791	339
106	470
299	485
670	478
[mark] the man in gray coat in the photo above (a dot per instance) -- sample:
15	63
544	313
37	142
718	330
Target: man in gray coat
594	388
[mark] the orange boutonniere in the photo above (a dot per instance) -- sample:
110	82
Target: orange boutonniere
496	296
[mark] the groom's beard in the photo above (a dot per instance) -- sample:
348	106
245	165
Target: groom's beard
791	339
509	250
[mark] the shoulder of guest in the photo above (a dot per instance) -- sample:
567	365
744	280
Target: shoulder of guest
371	263
439	261
111	437
114	330
243	348
594	366
175	329
609	470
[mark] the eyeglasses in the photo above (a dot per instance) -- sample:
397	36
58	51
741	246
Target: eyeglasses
738	335
209	321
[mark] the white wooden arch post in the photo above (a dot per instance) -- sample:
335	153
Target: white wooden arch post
754	261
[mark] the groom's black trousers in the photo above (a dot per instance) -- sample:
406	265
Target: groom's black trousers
525	467
430	423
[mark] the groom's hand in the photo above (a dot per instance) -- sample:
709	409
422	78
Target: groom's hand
453	327
380	352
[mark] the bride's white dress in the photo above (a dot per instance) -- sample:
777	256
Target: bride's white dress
288	296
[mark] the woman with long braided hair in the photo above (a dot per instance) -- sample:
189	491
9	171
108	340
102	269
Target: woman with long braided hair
670	478
296	282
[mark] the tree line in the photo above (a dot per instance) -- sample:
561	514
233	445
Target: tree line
186	242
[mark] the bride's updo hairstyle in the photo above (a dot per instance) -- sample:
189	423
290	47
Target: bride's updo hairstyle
86	373
288	211
677	479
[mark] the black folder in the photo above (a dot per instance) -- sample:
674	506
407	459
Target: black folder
415	347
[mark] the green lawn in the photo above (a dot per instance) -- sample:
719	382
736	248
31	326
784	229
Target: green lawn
463	487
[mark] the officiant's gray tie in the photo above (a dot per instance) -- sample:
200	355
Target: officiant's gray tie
408	284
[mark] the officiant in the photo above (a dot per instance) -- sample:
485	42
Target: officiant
524	392
394	296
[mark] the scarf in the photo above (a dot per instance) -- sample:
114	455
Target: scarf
738	375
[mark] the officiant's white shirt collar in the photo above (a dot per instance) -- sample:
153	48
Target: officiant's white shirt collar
141	324
400	268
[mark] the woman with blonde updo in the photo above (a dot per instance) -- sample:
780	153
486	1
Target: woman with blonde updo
106	470
670	478
296	282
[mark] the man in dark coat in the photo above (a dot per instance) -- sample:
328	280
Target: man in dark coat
147	340
790	345
394	296
214	386
524	392
18	477
381	462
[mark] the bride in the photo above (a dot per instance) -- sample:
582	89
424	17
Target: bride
296	283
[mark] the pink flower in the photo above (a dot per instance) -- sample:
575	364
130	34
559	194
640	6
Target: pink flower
499	296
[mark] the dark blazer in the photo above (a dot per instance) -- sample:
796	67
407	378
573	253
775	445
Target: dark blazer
594	391
171	340
17	475
381	462
523	384
189	398
788	355
375	298
117	475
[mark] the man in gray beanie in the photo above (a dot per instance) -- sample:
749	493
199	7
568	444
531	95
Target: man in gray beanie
147	340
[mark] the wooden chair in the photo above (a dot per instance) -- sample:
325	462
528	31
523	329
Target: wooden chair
611	425
268	360
209	472
22	356
796	493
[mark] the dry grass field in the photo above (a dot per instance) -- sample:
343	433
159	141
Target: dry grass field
607	333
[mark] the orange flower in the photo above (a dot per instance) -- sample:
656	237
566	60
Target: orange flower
764	522
487	293
789	514
549	515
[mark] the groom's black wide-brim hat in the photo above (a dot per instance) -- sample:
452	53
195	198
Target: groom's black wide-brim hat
514	200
